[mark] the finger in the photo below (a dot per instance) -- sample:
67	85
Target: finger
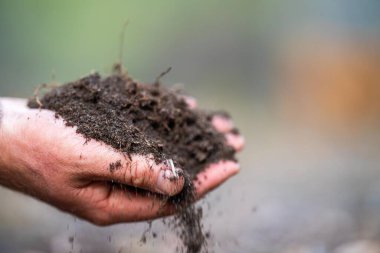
235	140
222	124
142	172
113	204
214	175
190	101
126	206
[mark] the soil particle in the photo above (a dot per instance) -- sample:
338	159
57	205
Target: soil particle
115	166
145	119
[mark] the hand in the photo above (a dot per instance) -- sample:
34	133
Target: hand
42	157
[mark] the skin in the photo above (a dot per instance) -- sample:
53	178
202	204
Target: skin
43	158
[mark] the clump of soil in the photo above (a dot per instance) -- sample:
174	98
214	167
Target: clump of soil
115	166
138	118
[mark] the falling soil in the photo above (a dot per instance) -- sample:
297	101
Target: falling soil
138	118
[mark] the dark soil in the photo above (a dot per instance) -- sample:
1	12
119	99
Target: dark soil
137	118
115	166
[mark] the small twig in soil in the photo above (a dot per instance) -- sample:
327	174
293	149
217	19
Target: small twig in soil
118	67
161	75
173	168
39	88
37	93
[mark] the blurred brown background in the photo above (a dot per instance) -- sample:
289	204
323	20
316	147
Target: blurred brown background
300	78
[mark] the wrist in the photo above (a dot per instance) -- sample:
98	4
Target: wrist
3	139
11	167
4	148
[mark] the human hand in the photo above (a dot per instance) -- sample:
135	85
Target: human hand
42	157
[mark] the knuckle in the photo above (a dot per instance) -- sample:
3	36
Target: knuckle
100	216
135	173
140	173
100	219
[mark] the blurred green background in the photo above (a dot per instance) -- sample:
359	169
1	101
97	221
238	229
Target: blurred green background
300	78
204	41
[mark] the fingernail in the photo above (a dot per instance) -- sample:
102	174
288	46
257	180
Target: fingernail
233	166
229	168
236	141
222	124
165	181
191	102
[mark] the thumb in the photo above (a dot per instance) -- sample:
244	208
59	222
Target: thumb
143	172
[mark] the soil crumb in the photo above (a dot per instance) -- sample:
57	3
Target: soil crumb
140	118
115	166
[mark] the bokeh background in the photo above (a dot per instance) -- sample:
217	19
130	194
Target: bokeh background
301	79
